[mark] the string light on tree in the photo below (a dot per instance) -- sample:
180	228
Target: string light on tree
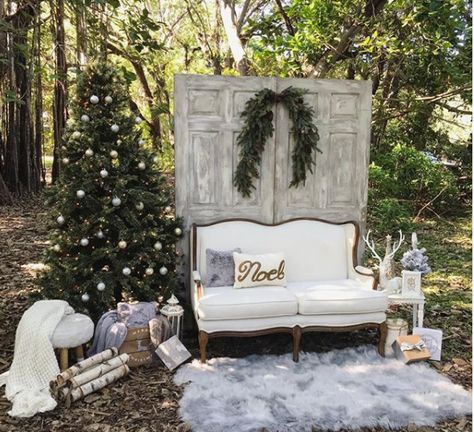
94	99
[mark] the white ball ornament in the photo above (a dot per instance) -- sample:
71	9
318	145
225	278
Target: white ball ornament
122	244
76	134
89	152
116	201
85	297
104	173
126	271
65	161
178	231
56	248
85	118
138	120
108	99
100	234
60	220
115	128
80	194
139	206
163	271
101	286
149	271
158	246
94	99
114	154
84	242
141	165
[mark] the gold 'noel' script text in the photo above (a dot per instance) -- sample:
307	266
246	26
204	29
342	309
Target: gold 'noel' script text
260	275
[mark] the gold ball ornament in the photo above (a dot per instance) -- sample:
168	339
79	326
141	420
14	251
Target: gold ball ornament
65	161
158	246
149	271
108	99
178	231
76	135
89	152
122	244
113	154
139	206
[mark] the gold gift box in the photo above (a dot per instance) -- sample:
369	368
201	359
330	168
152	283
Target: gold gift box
412	355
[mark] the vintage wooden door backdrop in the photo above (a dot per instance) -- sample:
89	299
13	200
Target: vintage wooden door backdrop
207	123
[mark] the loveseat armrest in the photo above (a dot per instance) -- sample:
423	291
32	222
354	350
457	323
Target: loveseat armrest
363	275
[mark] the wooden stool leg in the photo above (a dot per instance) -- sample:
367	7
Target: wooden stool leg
79	353
63	358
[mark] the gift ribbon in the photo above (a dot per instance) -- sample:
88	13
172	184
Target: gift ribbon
419	346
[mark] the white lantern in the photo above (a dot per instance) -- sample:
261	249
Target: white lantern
174	313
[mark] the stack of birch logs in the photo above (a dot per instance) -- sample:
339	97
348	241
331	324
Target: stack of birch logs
89	375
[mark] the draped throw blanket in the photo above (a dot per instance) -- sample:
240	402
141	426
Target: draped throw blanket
34	362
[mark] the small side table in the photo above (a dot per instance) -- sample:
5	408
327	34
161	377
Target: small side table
418	304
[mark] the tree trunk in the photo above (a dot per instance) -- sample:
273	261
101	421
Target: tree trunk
60	83
235	43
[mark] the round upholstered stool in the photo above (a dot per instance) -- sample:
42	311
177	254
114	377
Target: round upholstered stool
73	331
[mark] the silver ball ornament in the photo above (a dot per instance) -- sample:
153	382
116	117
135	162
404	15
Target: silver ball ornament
60	220
101	286
163	271
94	99
116	201
115	128
126	271
149	271
100	234
178	231
80	194
108	99
114	154
158	246
89	152
139	206
122	244
85	118
85	297
84	242
76	135
65	161
104	173
138	120
141	165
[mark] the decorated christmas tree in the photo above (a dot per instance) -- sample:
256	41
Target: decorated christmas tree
415	259
113	231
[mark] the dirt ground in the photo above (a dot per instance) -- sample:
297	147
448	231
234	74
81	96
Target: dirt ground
147	400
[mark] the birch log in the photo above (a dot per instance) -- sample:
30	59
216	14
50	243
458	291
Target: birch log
94	385
98	371
80	367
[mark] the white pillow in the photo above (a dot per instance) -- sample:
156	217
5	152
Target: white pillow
258	270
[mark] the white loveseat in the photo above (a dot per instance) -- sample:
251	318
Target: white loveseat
326	290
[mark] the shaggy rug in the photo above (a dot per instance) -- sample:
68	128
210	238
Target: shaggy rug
349	388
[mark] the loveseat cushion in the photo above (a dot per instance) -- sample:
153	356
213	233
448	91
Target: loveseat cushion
221	303
337	297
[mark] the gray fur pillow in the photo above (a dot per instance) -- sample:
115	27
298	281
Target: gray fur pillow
220	268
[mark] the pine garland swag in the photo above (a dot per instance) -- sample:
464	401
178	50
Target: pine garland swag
258	127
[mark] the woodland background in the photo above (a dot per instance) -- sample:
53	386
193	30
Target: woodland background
416	52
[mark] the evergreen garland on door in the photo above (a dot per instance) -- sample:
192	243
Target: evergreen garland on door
258	127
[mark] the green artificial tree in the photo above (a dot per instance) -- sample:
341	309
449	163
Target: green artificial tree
113	232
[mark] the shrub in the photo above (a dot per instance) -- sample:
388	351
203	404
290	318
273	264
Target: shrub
387	216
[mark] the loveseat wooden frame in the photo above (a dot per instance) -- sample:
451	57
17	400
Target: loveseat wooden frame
296	331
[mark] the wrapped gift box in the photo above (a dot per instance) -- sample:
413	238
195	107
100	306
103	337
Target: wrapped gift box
410	349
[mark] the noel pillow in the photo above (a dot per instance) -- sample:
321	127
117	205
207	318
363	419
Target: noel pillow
219	268
258	270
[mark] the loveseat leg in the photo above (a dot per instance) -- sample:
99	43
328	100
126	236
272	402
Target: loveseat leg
382	338
296	343
203	338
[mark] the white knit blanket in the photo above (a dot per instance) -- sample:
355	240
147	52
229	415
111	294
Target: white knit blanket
34	362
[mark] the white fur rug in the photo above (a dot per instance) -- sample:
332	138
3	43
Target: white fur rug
349	388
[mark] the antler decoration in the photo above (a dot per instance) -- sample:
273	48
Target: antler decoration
371	245
397	245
